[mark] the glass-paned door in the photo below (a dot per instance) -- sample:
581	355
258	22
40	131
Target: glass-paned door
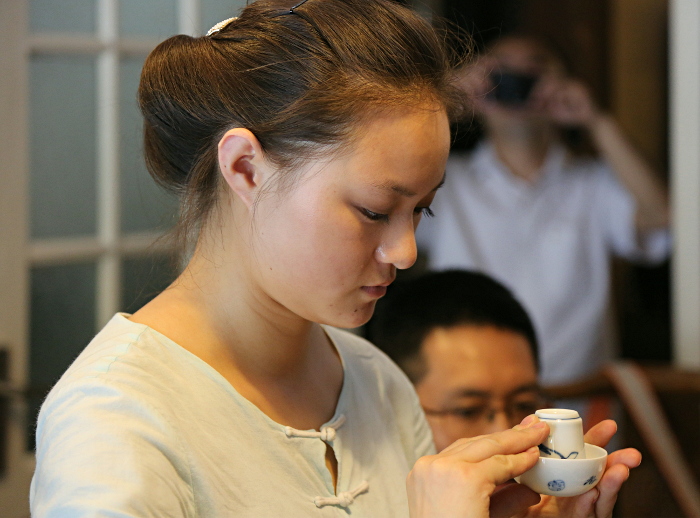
80	219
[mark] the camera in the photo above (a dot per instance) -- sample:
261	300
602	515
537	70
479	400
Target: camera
511	88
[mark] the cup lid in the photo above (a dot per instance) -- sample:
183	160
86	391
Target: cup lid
556	413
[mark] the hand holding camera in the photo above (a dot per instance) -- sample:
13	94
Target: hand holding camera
492	87
565	101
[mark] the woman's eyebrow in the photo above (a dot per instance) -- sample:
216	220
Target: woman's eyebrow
405	191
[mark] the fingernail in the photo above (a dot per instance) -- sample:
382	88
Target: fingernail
528	420
540	425
533	450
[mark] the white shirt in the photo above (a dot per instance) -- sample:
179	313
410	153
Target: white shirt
140	427
550	242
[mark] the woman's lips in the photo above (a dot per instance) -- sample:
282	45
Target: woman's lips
375	291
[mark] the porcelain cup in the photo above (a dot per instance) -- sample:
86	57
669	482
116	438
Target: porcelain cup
561	477
565	440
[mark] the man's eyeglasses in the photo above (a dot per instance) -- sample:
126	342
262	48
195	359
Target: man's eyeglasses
472	414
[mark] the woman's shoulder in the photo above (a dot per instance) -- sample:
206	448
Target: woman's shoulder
125	357
119	341
108	423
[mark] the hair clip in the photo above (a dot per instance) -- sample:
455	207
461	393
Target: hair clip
222	25
291	11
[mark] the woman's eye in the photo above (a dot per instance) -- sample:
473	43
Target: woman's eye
374	216
425	211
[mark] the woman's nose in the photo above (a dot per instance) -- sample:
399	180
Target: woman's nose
399	247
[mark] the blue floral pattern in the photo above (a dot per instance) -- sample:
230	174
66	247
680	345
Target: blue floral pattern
556	485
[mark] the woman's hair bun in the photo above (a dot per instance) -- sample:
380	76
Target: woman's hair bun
302	82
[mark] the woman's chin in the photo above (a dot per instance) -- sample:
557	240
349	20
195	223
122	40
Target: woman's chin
351	319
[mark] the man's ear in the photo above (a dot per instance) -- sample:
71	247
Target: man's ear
241	163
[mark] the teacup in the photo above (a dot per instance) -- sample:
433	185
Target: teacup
566	466
565	440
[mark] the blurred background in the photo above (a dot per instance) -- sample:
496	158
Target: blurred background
80	218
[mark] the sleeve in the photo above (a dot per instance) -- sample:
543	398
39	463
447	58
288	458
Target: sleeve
103	452
618	211
425	445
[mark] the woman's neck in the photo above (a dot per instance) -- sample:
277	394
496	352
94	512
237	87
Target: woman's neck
216	310
238	321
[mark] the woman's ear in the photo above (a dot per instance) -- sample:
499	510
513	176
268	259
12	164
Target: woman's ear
241	163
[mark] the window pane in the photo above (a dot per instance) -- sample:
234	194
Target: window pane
214	11
62	323
145	206
63	16
143	278
155	18
62	145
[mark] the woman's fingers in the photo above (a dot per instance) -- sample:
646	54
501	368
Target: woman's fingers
508	441
512	500
601	433
461	444
600	501
504	455
584	505
502	468
460	480
628	457
609	486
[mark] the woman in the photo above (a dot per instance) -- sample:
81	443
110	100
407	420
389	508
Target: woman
305	142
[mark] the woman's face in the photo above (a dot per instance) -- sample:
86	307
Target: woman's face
327	249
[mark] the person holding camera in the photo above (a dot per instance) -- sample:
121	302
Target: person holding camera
539	218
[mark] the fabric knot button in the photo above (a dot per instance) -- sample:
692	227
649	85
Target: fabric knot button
345	498
327	434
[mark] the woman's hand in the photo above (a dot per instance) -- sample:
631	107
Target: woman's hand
599	501
460	481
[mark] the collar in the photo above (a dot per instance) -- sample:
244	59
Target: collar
486	164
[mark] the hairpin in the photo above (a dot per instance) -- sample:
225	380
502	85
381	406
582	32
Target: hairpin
291	11
222	25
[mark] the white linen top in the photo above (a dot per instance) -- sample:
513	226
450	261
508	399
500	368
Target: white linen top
550	242
140	427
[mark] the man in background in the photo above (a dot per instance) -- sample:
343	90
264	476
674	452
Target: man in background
469	348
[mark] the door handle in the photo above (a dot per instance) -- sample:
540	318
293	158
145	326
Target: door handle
4	410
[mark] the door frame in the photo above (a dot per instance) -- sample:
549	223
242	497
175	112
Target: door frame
684	113
14	228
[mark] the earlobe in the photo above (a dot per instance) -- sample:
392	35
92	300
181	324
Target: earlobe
238	150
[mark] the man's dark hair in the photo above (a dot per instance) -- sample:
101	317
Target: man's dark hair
413	308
